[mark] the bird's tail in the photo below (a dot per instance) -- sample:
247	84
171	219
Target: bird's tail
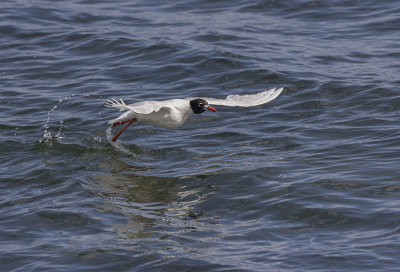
117	104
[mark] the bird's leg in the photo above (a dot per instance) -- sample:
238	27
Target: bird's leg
125	127
120	123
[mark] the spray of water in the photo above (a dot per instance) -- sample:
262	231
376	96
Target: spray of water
50	138
118	144
47	137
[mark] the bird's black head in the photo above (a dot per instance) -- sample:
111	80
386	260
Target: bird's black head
200	105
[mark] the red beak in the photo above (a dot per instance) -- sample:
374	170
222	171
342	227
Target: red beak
211	109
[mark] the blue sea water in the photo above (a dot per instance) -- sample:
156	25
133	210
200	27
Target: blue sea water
307	182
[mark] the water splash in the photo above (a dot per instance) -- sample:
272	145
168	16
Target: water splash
118	144
48	138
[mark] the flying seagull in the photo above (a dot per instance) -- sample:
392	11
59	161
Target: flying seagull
174	112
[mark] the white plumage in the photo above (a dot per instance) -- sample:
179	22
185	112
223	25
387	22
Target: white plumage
247	100
174	112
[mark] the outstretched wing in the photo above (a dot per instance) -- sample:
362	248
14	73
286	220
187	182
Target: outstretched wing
247	100
145	107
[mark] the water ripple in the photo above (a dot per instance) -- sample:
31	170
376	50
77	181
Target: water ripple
306	182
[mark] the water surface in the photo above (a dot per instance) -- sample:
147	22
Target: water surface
307	182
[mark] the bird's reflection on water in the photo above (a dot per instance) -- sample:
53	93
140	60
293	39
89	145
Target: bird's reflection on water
154	207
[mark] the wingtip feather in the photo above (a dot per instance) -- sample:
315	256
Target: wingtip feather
113	103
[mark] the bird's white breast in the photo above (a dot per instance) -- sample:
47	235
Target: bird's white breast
173	114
